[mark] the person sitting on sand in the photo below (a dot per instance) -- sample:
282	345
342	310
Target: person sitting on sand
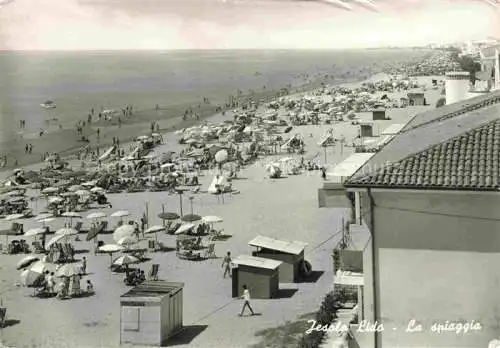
90	287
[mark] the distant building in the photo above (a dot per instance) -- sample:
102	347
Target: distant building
428	201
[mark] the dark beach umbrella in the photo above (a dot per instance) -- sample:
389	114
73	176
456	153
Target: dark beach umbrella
168	216
191	218
288	129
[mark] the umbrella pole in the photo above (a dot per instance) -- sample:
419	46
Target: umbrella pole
163	211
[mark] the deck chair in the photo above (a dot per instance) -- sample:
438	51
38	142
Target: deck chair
210	252
103	227
153	272
78	226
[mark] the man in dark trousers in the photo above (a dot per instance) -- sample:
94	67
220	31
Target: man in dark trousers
246	298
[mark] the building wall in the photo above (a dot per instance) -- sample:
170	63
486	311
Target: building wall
439	259
289	269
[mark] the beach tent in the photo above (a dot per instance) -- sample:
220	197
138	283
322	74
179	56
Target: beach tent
217	180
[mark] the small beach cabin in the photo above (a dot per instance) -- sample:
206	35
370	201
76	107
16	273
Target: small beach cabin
260	275
379	114
151	313
366	129
416	98
291	253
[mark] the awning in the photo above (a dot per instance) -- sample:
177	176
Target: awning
350	165
289	247
258	262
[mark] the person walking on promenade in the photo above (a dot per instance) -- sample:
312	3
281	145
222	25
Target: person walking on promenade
246	303
227	263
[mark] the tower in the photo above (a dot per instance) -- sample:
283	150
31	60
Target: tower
497	70
457	86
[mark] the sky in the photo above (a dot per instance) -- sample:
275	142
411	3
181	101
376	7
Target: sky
238	24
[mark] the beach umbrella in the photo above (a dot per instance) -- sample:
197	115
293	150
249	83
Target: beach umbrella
123	231
13	217
30	278
96	215
221	156
66	232
120	213
43	216
127	241
16	199
67	194
75	188
184	228
168	216
68	270
50	190
125	260
97	189
44	221
15	193
54	240
35	232
55	200
110	249
71	214
191	218
155	229
42	266
210	219
82	192
25	262
90	183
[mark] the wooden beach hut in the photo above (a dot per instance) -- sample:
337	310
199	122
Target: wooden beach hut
379	114
151	313
366	129
291	253
260	275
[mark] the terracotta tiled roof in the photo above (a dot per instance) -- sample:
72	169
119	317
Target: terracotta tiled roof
469	161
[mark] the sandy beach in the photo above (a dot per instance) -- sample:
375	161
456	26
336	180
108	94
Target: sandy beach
285	208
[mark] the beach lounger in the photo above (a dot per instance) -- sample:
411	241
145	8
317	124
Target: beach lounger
153	273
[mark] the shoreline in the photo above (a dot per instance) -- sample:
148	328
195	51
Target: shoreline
169	119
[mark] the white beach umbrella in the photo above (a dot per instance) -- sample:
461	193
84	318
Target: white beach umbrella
53	240
184	228
66	232
35	232
126	260
111	248
30	278
123	231
210	219
90	183
43	216
26	261
120	213
71	214
154	229
67	194
75	188
127	241
97	189
55	200
221	156
82	192
42	266
68	270
50	190
96	215
13	217
44	221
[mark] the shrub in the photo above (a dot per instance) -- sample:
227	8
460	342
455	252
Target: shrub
325	316
441	102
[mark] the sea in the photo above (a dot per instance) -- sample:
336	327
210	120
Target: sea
79	81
